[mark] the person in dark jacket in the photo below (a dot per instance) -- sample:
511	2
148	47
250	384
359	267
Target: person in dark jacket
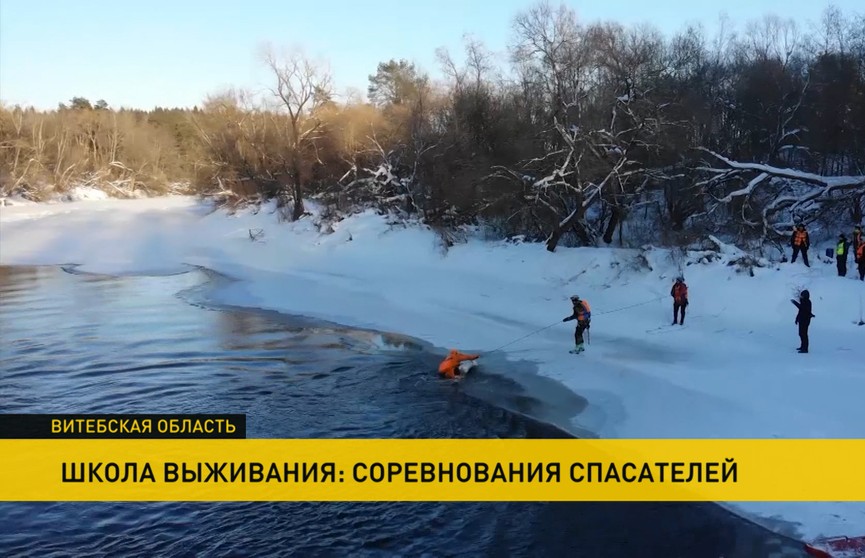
841	250
800	241
803	318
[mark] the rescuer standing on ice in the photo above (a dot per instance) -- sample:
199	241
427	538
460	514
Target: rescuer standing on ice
679	292
583	314
841	250
803	319
800	241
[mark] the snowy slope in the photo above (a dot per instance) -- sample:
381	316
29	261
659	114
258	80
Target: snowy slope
732	371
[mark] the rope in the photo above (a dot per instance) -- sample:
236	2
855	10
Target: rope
559	321
627	307
524	336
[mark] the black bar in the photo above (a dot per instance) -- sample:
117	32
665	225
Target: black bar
39	426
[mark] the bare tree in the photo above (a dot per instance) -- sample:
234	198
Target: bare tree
301	89
770	198
550	47
772	38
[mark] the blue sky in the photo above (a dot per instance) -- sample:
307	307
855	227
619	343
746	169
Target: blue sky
174	53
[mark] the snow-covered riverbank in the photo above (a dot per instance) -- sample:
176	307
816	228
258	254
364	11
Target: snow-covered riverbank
731	372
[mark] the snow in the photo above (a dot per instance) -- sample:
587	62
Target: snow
830	182
85	193
756	181
731	372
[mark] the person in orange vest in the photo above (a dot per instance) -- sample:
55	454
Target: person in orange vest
800	243
860	255
679	292
583	314
450	366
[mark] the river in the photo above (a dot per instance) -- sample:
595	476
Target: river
72	342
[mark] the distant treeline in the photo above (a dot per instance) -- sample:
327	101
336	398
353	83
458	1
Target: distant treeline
589	132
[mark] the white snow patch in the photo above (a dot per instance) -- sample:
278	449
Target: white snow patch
84	193
731	372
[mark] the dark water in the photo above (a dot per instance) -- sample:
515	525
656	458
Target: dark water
79	343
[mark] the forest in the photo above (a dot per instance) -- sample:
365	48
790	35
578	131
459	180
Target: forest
588	133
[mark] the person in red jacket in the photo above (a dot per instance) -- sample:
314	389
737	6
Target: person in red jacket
860	254
857	239
449	367
679	292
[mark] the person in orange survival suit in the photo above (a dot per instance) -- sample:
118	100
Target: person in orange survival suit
449	367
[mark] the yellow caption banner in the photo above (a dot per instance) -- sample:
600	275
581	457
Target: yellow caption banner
432	470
